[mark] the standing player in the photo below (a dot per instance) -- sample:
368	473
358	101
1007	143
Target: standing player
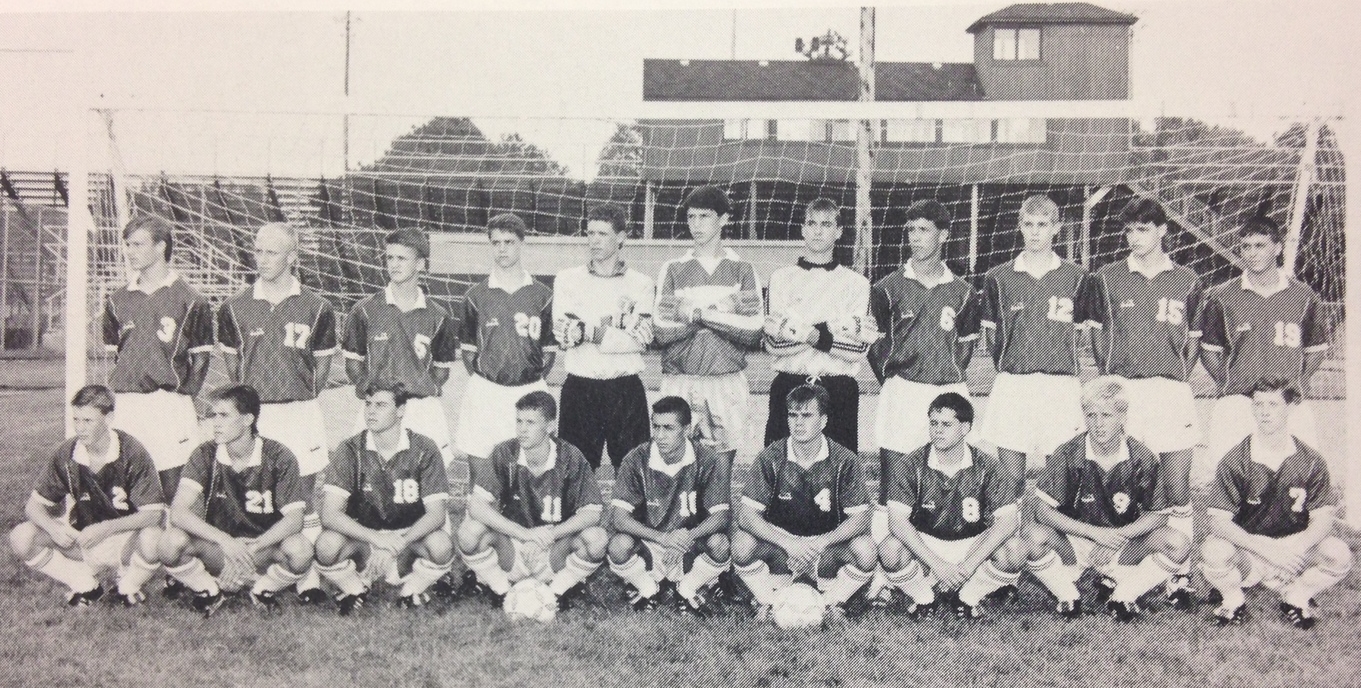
278	337
602	318
1033	311
1099	505
533	511
805	511
115	523
400	335
1143	315
162	333
238	510
1263	324
709	313
507	341
1271	516
385	503
814	330
671	507
952	514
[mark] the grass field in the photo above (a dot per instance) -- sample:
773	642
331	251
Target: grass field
602	644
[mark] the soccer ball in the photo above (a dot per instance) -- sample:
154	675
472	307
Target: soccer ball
531	600
798	606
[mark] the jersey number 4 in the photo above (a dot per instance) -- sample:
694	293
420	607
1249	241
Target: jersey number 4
824	499
258	502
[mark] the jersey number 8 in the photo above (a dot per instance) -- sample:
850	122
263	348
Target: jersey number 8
405	491
970	510
947	318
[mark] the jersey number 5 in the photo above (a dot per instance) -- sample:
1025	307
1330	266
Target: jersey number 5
258	502
528	326
1061	308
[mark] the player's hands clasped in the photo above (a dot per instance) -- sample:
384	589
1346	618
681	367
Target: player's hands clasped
92	535
238	562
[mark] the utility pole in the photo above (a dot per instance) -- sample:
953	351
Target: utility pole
346	144
866	138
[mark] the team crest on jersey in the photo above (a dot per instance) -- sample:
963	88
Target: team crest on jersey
786	496
491	322
1243	327
127	327
908	315
1254	500
85	496
1088	499
368	487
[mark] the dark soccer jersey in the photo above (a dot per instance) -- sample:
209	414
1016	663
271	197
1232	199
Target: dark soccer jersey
278	344
1082	490
806	501
249	502
921	327
1262	336
1036	321
947	507
712	348
665	502
120	488
154	334
1270	502
1146	322
388	494
401	345
508	331
549	498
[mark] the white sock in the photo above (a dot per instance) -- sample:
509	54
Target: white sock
635	573
575	570
74	574
487	566
345	576
702	573
1228	581
1133	581
1179	518
195	577
1311	582
276	578
756	576
1058	577
847	581
311	528
132	577
423	574
983	582
914	583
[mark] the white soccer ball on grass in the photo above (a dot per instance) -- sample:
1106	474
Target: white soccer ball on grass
531	600
798	606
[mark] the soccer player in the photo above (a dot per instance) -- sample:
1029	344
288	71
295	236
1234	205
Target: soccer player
161	331
506	336
817	328
401	335
952	515
1271	516
115	523
671	509
805	512
533	511
1033	311
1265	324
238	511
602	318
709	313
1099	505
278	337
384	504
1144	315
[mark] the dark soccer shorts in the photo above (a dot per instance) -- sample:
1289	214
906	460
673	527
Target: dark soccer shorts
604	414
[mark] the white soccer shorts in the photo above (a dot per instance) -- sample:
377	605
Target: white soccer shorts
299	426
1083	549
531	561
1262	573
901	422
1162	414
486	417
1032	413
1231	421
665	566
423	416
164	422
109	553
720	406
953	551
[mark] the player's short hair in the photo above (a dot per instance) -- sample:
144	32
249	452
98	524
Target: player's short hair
507	222
612	213
808	392
540	401
1142	209
1264	226
675	405
411	238
94	396
400	394
1040	204
822	204
244	398
708	197
284	227
1105	388
930	210
1269	384
159	229
952	401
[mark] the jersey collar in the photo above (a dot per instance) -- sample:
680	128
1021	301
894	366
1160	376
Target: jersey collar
1260	452
1158	269
294	289
620	268
1282	282
256	454
511	287
82	456
711	264
823	452
657	463
948	471
548	465
392	300
1107	462
806	265
135	283
403	444
945	277
1037	271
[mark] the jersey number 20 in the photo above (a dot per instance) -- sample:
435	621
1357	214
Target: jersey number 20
528	326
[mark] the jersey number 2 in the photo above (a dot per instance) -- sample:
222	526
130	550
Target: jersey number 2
120	498
258	502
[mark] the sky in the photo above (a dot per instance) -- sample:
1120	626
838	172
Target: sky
250	92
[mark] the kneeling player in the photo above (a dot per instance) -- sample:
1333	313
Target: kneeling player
533	511
1098	507
805	511
671	508
238	509
115	523
365	521
1271	516
951	511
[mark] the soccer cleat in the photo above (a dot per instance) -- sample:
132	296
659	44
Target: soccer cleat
469	587
569	599
1298	617
639	603
1105	587
666	593
1180	594
858	604
207	604
311	596
84	599
917	612
1215	597
128	600
445	588
731	589
414	600
761	613
1069	609
267	601
697	608
1224	616
173	588
1007	594
1124	612
346	604
964	610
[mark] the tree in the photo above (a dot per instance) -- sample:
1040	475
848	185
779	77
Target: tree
622	155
